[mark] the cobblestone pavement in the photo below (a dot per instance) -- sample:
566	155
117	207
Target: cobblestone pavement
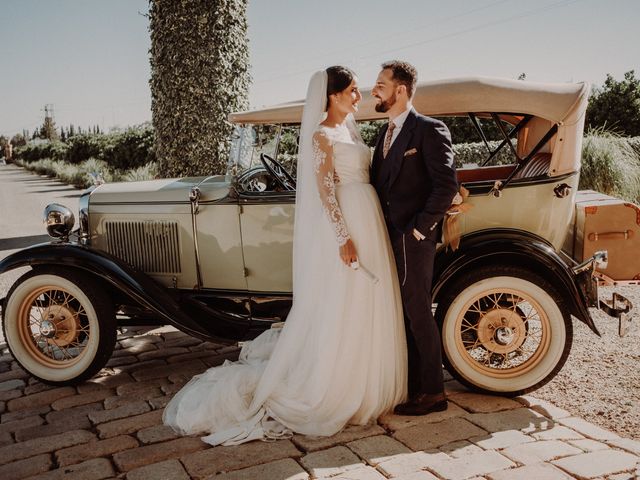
111	427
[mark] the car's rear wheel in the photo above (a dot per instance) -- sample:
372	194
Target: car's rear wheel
59	325
504	330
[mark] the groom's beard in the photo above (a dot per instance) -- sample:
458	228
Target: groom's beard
385	105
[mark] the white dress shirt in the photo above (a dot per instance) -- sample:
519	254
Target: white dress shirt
399	122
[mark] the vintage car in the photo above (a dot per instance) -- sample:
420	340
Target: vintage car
212	256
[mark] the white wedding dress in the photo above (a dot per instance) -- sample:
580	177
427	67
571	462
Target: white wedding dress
341	356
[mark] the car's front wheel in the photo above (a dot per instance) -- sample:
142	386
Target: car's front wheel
59	325
504	330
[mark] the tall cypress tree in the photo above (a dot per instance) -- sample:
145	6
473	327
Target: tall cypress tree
199	74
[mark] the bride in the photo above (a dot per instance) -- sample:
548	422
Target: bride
341	356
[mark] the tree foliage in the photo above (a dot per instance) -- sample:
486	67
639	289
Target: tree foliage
616	105
199	74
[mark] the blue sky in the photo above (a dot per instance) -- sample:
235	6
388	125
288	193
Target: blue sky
89	58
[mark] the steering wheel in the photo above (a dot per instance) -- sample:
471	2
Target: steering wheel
278	172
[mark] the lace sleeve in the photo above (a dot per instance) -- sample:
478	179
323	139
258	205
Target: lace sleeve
325	178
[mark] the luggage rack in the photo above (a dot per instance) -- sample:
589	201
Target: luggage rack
619	306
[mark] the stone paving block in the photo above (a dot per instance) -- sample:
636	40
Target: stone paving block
3	407
10	395
362	473
22	414
167	470
69	413
139	366
157	452
141	340
623	476
208	354
206	346
424	475
11	374
159	402
396	422
118	401
93	449
405	464
588	445
26	468
73	423
162	353
13	384
106	381
225	459
471	465
542	451
173	388
330	462
594	464
155	434
189	369
477	403
135	387
39	399
350	433
499	440
539	471
83	399
128	425
434	435
378	449
96	469
587	429
37	388
127	410
523	419
631	446
543	407
122	360
557	432
183	342
30	448
286	469
460	448
21	424
6	439
133	350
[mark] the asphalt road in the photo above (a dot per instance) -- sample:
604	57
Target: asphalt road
23	197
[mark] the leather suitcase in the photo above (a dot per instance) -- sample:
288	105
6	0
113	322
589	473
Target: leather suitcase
607	223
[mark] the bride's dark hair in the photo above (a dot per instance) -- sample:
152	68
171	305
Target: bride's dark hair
338	78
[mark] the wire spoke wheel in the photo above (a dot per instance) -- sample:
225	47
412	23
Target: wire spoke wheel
504	330
59	325
54	326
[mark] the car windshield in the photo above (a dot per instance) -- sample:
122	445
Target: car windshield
248	142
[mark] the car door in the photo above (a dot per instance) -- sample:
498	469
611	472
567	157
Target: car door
266	221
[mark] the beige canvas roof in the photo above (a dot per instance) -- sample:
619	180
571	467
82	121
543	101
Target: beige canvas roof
556	102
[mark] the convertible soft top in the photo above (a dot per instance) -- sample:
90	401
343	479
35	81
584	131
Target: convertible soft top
556	102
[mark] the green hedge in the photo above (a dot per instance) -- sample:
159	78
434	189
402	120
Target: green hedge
126	150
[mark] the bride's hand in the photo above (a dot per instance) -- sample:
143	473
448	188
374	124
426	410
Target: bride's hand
348	253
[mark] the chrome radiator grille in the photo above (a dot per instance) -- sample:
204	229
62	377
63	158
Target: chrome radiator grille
150	246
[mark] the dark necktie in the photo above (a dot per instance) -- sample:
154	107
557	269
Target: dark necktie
387	139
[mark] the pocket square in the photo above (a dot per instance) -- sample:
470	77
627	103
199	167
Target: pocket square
410	152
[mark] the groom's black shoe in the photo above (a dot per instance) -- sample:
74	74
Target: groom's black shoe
422	404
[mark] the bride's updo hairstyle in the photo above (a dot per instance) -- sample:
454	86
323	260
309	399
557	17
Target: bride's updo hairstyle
338	78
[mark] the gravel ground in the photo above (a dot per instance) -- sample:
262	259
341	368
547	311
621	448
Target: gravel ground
601	379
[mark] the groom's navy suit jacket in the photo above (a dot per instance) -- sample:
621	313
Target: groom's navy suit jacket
416	182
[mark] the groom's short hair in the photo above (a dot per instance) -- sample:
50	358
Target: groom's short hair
403	73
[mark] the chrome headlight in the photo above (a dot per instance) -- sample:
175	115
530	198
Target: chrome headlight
59	220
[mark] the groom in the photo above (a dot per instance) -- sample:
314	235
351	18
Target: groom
415	178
